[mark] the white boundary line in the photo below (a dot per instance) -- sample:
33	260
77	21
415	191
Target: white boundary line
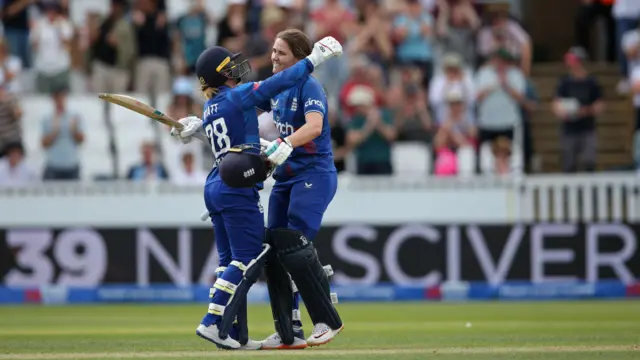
327	353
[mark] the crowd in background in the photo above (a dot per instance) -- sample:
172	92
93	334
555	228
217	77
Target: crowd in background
450	74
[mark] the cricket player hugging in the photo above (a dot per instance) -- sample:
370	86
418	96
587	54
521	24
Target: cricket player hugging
231	196
306	182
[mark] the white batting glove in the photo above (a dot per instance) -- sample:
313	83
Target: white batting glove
192	124
324	49
278	151
264	144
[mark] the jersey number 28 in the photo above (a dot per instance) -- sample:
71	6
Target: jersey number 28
217	134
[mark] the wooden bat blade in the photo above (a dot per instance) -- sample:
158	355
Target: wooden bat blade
134	104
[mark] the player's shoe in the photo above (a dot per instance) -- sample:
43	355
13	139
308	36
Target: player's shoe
322	334
251	345
274	342
210	333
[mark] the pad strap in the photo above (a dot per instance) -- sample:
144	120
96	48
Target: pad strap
225	286
216	309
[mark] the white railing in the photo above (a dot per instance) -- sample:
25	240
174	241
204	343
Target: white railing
581	198
601	197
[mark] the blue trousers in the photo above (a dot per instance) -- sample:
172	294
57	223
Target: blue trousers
238	225
238	221
300	202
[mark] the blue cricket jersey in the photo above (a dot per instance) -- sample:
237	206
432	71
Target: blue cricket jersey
289	109
230	118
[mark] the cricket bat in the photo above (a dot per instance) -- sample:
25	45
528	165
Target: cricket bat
134	104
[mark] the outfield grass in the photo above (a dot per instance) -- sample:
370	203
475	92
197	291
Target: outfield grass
411	331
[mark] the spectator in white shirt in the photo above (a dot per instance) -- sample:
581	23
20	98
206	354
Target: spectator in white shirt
453	76
11	66
190	174
500	88
14	171
51	39
625	13
631	48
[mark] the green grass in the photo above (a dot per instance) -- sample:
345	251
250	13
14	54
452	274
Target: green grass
508	330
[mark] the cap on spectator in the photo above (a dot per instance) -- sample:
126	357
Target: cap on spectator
361	95
182	86
452	60
575	55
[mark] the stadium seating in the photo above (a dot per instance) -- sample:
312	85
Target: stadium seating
411	158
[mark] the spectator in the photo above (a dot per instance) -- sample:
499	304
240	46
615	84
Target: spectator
501	148
183	105
257	47
182	102
370	134
14	171
528	105
626	14
153	73
631	51
578	100
332	19
457	25
189	174
446	163
338	138
10	117
62	134
150	169
362	73
635	88
15	21
372	39
51	41
500	88
505	33
457	129
234	22
588	12
113	47
190	35
11	67
413	35
454	75
412	119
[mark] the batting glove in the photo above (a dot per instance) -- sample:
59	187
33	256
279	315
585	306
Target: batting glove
264	144
324	49
191	125
278	151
